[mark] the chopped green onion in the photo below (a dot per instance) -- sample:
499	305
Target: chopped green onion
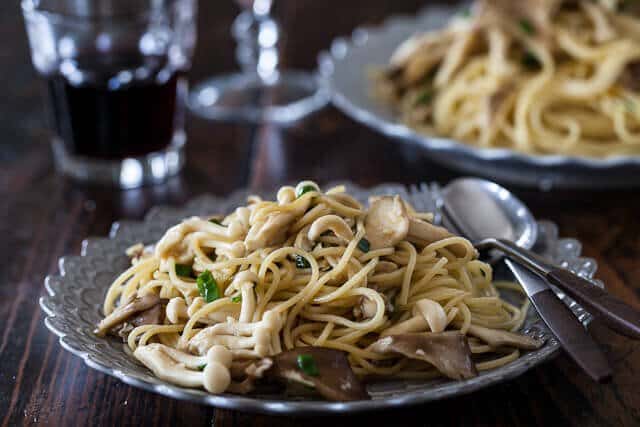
237	298
530	61
184	270
305	187
207	286
301	262
201	367
307	364
217	221
424	97
364	245
527	27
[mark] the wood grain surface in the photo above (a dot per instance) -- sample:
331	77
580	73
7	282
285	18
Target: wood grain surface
44	216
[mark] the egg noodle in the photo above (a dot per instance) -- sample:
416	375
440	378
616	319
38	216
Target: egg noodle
310	269
536	76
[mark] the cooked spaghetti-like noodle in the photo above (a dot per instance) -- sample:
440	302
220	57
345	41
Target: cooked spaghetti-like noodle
536	76
310	269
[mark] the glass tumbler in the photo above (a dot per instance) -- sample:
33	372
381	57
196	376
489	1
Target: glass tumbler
115	74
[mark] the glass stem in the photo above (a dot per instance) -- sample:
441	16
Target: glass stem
257	34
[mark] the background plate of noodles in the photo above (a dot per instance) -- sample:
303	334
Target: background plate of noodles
346	71
74	298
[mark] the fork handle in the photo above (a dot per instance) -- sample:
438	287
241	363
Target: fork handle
614	312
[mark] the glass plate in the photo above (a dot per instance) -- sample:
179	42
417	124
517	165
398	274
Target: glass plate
74	299
343	71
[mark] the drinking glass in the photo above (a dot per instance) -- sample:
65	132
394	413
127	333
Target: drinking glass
261	92
115	73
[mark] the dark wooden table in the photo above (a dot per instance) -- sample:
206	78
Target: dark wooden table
44	217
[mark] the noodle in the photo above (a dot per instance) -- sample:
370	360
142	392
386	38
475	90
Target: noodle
309	270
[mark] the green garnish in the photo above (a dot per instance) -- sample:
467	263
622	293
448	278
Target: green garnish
530	61
424	97
305	189
184	270
301	262
237	298
207	286
307	364
217	221
201	367
527	27
364	245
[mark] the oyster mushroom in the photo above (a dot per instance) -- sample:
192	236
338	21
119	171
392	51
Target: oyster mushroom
423	233
138	306
334	378
387	222
498	338
448	352
270	231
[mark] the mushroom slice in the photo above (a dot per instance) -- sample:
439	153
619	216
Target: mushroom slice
250	371
123	313
433	314
335	380
386	267
498	338
423	233
269	232
387	222
330	223
366	308
448	352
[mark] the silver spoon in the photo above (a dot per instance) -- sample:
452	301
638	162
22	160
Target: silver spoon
492	217
487	214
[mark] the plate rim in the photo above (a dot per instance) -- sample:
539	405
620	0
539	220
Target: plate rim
285	407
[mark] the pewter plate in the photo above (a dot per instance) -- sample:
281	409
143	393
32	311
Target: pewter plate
342	71
74	298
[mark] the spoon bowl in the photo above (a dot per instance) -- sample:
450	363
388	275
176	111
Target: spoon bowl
481	209
491	217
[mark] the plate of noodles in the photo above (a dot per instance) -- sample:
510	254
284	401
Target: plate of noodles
537	92
304	301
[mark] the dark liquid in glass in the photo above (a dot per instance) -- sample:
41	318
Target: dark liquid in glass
106	117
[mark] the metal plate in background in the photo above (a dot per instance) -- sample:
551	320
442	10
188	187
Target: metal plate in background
343	72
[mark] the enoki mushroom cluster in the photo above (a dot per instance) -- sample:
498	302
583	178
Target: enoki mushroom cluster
225	301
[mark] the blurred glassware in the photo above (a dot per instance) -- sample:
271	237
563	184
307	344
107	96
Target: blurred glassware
115	75
260	92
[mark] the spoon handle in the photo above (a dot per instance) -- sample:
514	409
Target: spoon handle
617	315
